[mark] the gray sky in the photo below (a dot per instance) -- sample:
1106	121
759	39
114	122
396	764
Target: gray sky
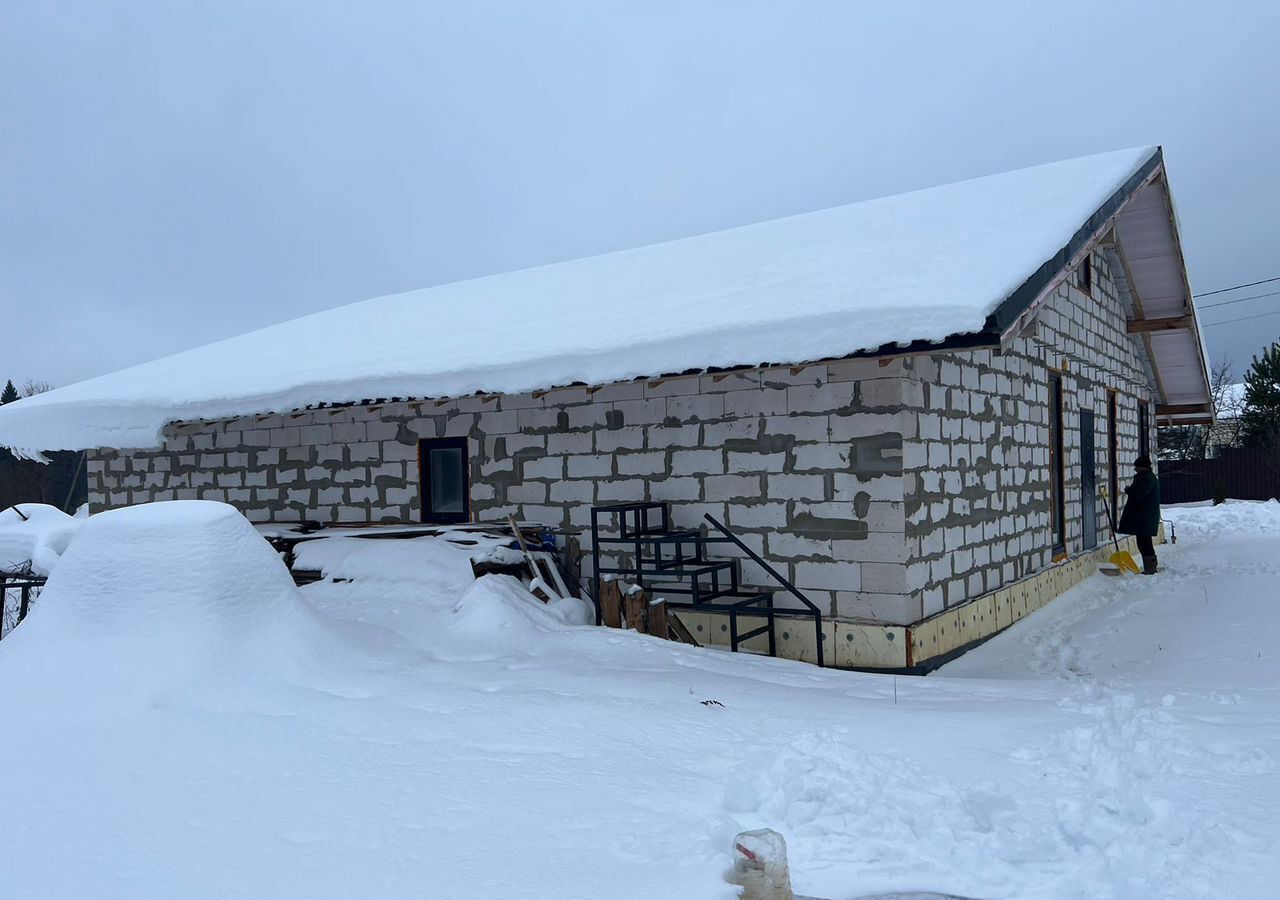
175	173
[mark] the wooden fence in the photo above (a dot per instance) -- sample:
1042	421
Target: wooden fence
1245	473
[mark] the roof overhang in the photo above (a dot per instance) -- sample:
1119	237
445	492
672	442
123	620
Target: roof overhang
1163	316
1138	231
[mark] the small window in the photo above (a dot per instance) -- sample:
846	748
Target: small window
446	494
1084	275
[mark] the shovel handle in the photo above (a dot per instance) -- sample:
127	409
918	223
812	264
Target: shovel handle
1110	520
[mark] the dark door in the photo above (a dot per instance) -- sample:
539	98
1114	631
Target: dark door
1088	481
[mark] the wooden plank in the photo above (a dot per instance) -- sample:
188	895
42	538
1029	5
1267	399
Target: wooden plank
634	606
677	631
1163	409
656	621
1172	323
611	604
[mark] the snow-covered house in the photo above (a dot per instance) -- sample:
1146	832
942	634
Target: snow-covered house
907	407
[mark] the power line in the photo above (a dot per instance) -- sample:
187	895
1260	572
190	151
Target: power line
1237	300
1238	286
1274	312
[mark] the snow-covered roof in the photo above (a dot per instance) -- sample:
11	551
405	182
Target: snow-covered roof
924	265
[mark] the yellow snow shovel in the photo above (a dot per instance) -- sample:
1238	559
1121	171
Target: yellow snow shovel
1121	559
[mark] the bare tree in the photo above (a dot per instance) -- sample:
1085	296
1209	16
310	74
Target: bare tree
31	387
1201	441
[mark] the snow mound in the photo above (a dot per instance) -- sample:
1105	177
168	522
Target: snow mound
34	533
1253	518
155	598
499	613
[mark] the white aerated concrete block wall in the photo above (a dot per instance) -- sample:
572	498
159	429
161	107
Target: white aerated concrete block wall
804	464
977	469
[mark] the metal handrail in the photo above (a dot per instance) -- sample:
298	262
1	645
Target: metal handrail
795	592
781	579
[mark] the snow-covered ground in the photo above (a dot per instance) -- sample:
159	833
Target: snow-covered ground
427	736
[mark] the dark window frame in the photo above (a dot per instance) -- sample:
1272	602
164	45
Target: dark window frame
1113	445
1057	469
425	446
1084	274
1144	428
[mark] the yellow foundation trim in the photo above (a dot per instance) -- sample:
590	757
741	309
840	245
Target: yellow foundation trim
869	645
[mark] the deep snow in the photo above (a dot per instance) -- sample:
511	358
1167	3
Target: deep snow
915	266
1119	743
34	535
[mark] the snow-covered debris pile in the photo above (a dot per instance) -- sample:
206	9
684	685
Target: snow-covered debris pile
429	581
435	562
34	534
154	597
499	611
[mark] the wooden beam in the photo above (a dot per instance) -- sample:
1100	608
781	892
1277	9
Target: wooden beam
1199	420
635	606
678	631
611	604
1184	409
656	621
1173	323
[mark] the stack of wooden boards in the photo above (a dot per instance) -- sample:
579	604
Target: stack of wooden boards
630	606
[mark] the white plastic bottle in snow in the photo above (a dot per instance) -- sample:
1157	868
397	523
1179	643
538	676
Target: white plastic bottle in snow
760	865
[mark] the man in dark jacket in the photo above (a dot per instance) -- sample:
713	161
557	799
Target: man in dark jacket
1141	516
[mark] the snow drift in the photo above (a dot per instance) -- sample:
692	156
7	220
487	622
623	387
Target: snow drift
35	534
162	597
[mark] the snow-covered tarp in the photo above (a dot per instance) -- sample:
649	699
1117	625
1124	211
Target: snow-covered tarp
918	266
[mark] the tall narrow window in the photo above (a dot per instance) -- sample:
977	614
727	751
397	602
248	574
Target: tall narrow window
1057	506
1113	448
1144	430
445	491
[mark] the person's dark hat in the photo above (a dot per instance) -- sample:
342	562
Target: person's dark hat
1142	462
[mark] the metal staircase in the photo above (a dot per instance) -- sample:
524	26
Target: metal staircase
675	564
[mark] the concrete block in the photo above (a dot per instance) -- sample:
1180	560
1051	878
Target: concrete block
641	412
572	492
598	466
543	467
833	576
651	462
822	457
756	462
350	432
697	407
697	462
732	487
796	487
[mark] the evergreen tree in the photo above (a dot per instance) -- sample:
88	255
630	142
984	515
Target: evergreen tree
9	394
1260	422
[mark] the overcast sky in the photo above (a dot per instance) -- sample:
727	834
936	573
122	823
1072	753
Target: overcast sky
174	173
